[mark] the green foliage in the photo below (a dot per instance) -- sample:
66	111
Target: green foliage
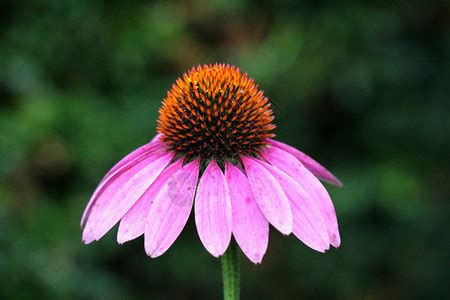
364	88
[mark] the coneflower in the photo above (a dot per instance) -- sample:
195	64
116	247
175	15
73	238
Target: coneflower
214	151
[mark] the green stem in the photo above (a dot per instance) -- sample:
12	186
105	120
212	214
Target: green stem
230	272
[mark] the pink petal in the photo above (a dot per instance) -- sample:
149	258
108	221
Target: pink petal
132	224
152	148
170	210
313	166
291	166
250	227
135	164
269	195
153	145
213	210
120	194
309	223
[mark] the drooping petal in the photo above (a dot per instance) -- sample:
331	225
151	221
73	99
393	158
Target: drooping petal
153	145
170	210
152	148
250	227
291	166
313	166
213	210
132	225
269	195
120	176
309	223
120	194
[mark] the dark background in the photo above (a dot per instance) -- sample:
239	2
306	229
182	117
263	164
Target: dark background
363	88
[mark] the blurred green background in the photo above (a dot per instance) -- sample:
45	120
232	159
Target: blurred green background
363	88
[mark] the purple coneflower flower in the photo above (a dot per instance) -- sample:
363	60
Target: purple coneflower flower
214	151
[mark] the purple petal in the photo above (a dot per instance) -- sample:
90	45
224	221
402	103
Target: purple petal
250	227
132	224
132	166
170	210
313	166
150	149
291	166
309	223
120	194
153	145
269	195
213	210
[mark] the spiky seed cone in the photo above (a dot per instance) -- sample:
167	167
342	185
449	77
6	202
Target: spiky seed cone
215	111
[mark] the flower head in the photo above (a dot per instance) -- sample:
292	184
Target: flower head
215	112
214	151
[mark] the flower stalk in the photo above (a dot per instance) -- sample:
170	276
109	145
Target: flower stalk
231	273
